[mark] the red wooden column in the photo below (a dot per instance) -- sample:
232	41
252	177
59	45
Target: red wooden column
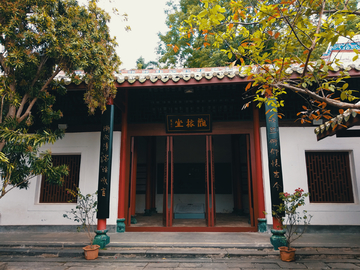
258	163
122	174
168	190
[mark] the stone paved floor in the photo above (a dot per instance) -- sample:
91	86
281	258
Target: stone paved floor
56	263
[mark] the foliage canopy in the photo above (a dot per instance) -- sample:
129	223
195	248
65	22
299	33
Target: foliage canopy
279	36
39	39
190	51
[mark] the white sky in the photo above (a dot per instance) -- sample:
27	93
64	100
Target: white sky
146	18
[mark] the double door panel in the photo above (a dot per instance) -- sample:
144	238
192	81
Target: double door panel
168	185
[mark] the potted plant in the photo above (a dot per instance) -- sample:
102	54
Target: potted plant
84	213
294	221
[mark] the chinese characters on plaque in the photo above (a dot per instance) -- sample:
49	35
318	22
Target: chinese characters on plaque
188	123
273	144
105	163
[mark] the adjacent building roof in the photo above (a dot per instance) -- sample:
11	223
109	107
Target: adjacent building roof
337	124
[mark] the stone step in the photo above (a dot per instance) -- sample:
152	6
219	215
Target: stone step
125	252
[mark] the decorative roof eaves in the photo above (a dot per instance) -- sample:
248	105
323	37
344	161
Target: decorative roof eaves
167	77
178	75
342	121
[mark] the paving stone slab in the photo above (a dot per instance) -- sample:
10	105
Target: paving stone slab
214	266
343	265
146	268
35	265
291	265
267	266
3	265
190	265
240	265
319	265
163	265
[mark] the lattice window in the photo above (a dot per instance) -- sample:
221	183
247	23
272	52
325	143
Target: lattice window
329	177
58	194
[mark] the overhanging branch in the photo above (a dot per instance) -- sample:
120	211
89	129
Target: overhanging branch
313	95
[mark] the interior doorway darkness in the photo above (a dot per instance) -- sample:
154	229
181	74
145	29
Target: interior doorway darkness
191	182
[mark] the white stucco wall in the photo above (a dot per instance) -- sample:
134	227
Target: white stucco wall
22	207
294	142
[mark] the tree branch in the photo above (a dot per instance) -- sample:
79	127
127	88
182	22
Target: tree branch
2	108
42	63
2	62
356	12
22	104
313	42
329	101
293	30
28	110
4	192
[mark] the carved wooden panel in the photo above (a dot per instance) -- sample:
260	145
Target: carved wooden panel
329	177
58	194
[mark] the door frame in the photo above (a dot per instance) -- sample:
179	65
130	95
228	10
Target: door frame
218	128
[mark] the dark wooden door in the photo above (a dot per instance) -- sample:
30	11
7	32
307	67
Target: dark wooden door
132	178
210	183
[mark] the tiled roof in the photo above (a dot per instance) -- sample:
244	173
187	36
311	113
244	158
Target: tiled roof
176	75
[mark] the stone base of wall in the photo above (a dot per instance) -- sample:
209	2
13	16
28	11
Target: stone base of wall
328	228
47	228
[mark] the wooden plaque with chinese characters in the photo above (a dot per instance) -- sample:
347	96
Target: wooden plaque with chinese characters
188	123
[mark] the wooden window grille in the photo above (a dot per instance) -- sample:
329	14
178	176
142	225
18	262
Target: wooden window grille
329	177
52	193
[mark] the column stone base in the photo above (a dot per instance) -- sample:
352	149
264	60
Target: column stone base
120	225
278	239
101	238
147	212
262	226
133	220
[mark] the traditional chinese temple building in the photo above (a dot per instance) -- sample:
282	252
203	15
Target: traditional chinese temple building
180	150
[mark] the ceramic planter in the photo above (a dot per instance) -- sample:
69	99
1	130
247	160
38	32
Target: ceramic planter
91	252
287	255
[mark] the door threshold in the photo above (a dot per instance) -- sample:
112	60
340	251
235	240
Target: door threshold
190	229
